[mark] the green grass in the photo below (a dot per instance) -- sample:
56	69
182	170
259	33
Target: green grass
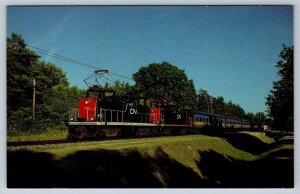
189	151
287	137
261	136
183	149
277	149
49	134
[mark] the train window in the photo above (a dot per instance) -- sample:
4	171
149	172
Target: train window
141	102
148	102
153	105
108	94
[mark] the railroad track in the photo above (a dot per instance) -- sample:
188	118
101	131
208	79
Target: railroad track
62	141
46	142
65	141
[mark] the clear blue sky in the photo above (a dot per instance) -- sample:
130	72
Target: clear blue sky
229	51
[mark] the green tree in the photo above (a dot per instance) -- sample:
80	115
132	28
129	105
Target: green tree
122	87
53	94
20	73
234	110
203	101
47	75
280	100
219	105
166	81
60	99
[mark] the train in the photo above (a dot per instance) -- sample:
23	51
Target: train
104	113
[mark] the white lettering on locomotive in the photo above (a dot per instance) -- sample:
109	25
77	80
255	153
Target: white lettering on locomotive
133	111
178	116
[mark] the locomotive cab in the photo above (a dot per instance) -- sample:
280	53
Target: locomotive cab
104	104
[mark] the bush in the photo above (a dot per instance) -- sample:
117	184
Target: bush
20	122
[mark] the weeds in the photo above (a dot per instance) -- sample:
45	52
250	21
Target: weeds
48	134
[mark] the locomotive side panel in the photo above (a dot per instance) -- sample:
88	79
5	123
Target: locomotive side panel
87	109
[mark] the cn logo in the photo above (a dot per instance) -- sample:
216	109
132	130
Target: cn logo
178	116
133	111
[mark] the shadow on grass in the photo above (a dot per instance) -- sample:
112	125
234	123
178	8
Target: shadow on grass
243	141
99	169
273	171
284	141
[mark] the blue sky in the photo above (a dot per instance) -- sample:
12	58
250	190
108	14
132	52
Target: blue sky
229	51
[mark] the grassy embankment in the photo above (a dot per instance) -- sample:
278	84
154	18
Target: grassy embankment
184	149
231	160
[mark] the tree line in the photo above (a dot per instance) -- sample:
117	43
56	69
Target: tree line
280	100
166	81
55	96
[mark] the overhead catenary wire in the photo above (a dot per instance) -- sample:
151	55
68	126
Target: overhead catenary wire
42	51
70	60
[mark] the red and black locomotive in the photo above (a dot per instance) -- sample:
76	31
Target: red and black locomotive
106	113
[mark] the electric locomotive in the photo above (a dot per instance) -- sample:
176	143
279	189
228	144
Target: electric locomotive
104	112
108	114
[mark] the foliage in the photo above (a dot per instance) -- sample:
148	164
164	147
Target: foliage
257	119
203	101
164	81
217	105
234	110
60	99
20	73
280	100
53	96
122	87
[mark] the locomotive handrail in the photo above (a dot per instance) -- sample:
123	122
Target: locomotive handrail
105	112
111	115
